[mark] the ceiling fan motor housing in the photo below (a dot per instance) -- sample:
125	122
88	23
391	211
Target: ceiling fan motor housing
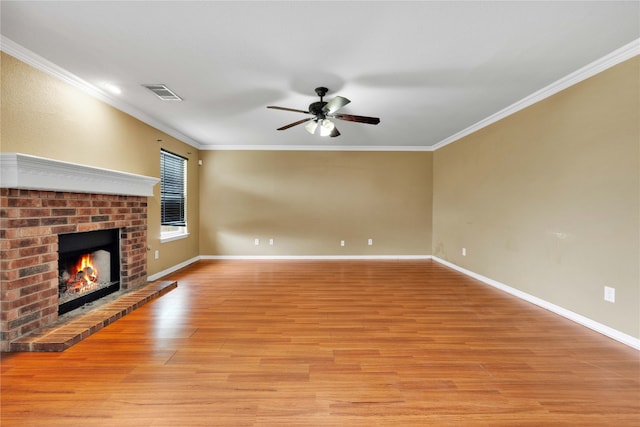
316	109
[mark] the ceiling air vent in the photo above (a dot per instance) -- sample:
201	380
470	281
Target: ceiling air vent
163	92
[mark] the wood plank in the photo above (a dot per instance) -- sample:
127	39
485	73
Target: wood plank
328	343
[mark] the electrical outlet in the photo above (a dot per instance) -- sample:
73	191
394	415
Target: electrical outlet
341	242
256	242
156	255
270	242
464	251
370	242
609	294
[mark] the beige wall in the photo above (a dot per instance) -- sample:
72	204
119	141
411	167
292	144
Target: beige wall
547	200
309	201
43	116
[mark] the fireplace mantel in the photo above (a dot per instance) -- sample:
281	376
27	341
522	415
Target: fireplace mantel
24	171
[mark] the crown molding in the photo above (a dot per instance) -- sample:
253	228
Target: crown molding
311	148
38	173
14	49
627	51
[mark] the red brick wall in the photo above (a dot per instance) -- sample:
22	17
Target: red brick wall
30	221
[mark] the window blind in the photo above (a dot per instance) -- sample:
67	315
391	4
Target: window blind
172	189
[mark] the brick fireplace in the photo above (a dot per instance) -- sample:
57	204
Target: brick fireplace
40	200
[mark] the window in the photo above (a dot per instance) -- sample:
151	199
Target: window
173	196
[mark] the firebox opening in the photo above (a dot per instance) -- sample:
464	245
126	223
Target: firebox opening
88	267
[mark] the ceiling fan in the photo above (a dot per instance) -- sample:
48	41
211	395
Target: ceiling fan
322	112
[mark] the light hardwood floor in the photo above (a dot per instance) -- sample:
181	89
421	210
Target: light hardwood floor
329	343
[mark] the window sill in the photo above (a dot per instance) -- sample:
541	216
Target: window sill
170	237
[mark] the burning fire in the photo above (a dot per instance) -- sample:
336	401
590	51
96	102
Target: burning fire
83	276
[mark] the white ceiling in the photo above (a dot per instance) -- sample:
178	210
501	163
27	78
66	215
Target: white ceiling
430	70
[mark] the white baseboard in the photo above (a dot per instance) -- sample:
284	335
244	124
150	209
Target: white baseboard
575	317
316	257
177	267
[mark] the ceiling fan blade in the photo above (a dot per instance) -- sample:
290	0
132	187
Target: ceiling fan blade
294	123
359	119
288	109
335	104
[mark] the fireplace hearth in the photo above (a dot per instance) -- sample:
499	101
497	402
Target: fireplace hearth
88	267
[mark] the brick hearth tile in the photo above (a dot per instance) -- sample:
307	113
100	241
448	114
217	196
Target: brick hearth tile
61	336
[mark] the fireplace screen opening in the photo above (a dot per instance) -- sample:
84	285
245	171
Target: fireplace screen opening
88	267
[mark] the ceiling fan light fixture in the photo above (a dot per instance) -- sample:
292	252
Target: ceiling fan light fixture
327	127
311	126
